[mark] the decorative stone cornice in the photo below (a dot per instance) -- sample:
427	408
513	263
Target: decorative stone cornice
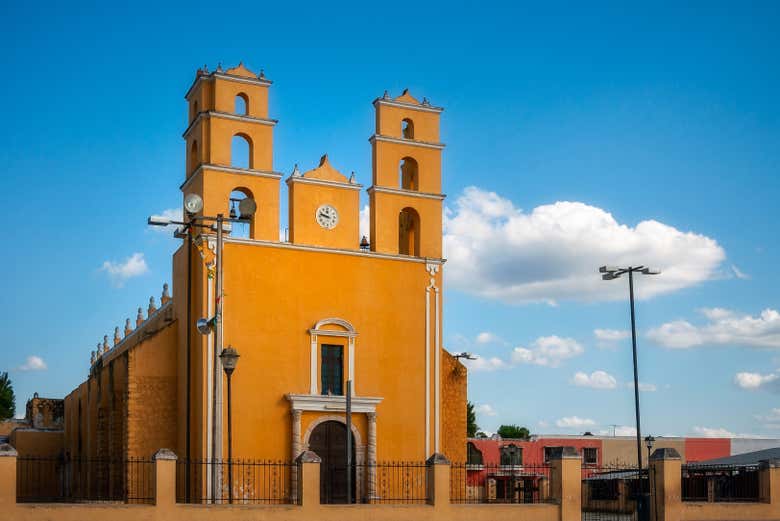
322	182
322	403
405	193
227	115
665	453
230	77
403	141
270	174
165	455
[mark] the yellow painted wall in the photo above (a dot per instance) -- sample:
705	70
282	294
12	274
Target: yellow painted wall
305	199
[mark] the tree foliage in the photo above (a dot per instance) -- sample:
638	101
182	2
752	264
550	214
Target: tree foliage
514	432
7	398
471	421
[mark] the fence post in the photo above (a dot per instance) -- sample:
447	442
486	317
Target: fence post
165	478
769	483
308	479
438	480
566	478
665	485
7	476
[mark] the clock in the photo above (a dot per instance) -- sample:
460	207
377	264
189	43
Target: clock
327	216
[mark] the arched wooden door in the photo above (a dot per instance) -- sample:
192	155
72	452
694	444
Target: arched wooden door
329	442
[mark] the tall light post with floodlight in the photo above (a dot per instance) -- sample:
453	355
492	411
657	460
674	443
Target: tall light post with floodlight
612	273
193	204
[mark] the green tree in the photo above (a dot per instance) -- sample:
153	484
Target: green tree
471	421
514	432
7	398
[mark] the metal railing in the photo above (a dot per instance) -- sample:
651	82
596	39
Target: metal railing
254	481
500	483
717	483
65	480
392	482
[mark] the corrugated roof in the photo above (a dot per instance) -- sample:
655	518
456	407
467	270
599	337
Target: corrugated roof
748	458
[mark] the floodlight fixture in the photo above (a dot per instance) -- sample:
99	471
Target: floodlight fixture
193	203
205	325
651	271
158	220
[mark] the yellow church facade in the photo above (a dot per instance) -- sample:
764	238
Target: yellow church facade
307	310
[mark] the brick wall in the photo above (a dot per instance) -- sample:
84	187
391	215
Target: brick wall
453	408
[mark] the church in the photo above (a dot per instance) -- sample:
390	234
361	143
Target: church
307	311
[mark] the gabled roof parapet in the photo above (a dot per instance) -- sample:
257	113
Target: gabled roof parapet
407	101
239	73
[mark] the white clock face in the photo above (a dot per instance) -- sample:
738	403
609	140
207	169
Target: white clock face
327	216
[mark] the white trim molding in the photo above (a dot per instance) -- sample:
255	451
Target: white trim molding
404	141
318	331
205	114
270	174
402	192
432	269
406	105
330	403
323	249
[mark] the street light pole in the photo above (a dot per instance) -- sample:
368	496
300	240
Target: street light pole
216	445
612	273
229	358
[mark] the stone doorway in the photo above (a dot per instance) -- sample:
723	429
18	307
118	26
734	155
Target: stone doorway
329	441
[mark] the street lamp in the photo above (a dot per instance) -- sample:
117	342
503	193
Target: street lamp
193	204
229	358
612	273
649	441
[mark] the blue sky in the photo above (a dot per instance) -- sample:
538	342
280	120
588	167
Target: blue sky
571	132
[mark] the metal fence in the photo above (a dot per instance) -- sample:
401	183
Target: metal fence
720	483
610	492
64	480
500	483
393	482
253	481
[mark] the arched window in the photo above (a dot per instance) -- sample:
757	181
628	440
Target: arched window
243	230
194	157
408	173
407	128
511	455
473	455
409	232
241	151
242	104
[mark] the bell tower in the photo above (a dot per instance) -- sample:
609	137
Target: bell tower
406	198
228	117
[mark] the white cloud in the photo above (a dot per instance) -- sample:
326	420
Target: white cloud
365	222
486	337
770	420
725	327
174	214
483	363
611	335
713	432
753	381
551	253
739	273
33	363
547	351
618	430
119	272
594	380
574	422
645	387
485	409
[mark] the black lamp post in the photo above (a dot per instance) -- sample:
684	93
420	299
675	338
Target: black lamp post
229	358
649	441
612	273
